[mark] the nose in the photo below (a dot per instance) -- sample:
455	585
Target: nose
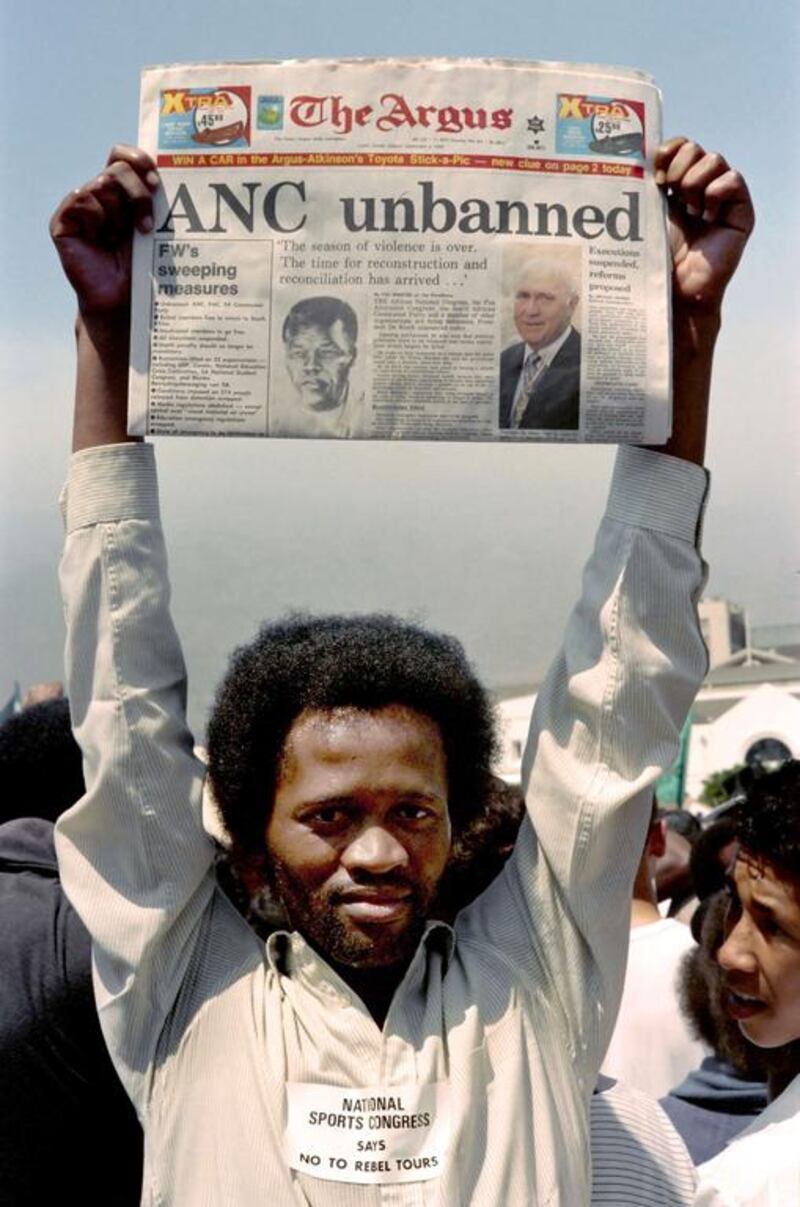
375	850
736	953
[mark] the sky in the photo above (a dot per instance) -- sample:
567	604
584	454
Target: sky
483	541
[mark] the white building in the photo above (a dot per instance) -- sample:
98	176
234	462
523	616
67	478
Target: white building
747	711
724	629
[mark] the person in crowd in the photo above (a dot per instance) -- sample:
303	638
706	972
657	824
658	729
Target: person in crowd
344	753
681	821
652	1047
41	773
638	1158
540	376
37	693
673	876
760	963
728	1090
712	855
68	1132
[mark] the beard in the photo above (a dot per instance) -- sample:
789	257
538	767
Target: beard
318	915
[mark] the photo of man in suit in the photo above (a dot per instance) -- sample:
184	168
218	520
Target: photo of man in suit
540	375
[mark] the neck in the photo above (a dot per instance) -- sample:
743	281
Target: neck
375	986
643	913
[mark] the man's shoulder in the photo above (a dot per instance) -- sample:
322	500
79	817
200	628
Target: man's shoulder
512	356
570	350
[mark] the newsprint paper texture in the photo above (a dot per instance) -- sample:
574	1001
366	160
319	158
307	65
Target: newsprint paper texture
431	249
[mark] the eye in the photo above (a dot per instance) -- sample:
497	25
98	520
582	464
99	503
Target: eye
332	356
771	927
412	812
327	818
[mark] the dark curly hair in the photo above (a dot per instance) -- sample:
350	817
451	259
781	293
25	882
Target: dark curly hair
768	822
320	312
325	662
41	770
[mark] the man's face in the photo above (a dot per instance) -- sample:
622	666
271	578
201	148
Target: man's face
319	360
359	833
543	306
761	953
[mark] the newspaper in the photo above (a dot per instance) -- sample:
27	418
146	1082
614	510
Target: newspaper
431	249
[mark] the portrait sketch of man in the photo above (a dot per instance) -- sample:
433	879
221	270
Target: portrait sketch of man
320	345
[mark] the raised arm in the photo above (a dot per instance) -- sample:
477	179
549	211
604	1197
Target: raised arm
608	716
133	856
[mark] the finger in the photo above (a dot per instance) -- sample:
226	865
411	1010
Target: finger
727	200
129	196
696	180
142	163
664	155
118	209
105	208
684	158
79	214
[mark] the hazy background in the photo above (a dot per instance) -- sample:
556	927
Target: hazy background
484	541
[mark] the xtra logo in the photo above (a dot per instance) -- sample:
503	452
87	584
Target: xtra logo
193	118
599	125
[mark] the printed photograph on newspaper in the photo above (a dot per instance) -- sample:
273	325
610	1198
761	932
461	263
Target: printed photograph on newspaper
398	249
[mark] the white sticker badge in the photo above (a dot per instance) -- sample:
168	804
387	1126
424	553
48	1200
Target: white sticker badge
369	1134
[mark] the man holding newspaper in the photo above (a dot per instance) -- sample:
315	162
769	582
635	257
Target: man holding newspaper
368	1050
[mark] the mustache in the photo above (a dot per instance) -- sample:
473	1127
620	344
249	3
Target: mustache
391	883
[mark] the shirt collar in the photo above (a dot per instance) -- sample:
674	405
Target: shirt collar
288	954
549	351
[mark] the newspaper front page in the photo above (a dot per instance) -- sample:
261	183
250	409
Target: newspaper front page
437	249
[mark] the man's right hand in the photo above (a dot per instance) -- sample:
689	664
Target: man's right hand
93	232
93	228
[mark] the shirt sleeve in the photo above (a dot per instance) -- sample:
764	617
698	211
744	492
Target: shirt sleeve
134	859
607	720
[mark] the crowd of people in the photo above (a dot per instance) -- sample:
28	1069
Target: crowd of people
390	977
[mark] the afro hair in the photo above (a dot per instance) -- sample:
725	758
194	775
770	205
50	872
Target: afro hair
365	662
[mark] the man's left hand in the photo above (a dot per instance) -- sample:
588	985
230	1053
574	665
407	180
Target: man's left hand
711	217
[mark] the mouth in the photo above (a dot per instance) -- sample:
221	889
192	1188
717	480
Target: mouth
741	1006
376	908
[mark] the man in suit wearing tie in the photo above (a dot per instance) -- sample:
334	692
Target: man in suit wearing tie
540	377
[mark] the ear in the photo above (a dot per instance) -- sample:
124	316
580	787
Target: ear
657	838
